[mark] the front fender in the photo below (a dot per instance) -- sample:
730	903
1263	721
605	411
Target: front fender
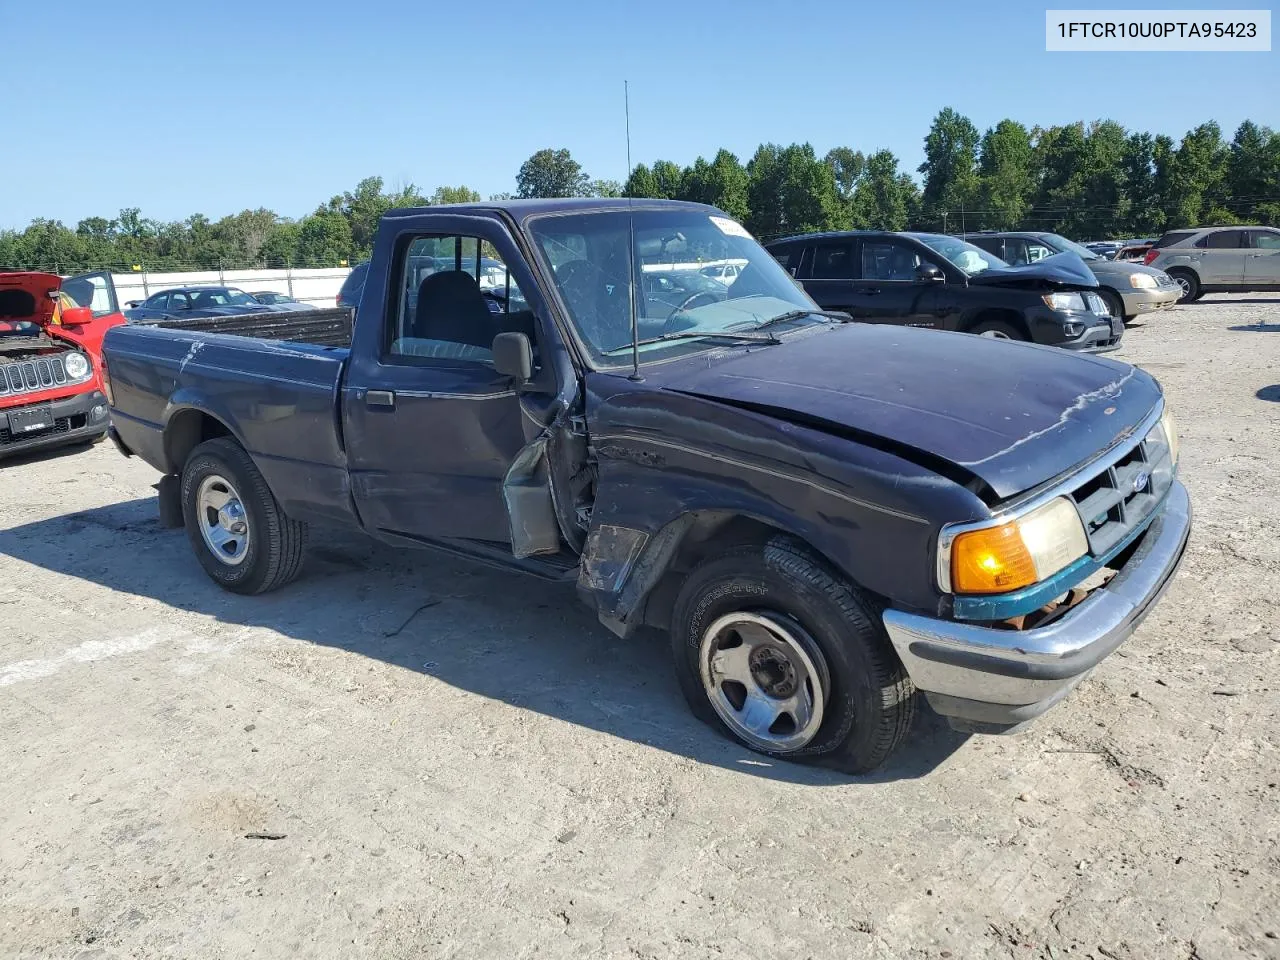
645	509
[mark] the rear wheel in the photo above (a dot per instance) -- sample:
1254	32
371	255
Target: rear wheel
998	330
1189	283
239	533
774	650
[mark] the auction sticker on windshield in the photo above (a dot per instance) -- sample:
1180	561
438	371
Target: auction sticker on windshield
1158	30
730	228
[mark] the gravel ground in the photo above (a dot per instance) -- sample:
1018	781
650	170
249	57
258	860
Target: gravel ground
456	762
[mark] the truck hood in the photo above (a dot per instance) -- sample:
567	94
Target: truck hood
1012	415
1062	271
37	286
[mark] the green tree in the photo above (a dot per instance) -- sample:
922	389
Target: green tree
551	173
1144	215
950	164
365	206
454	195
324	239
1199	177
641	184
1006	174
846	166
721	183
604	188
281	247
884	198
1253	169
789	190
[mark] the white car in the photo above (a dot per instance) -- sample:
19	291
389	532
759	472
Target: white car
724	273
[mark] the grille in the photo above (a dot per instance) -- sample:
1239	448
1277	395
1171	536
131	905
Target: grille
60	425
26	376
1116	501
1096	304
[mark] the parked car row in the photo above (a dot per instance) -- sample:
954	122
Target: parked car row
944	282
209	301
1128	290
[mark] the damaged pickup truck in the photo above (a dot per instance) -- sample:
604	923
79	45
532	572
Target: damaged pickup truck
825	516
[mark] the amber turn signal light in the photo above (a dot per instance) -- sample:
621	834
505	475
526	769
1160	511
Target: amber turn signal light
991	560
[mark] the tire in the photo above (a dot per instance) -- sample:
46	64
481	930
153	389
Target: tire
267	553
1189	283
1114	304
833	640
998	330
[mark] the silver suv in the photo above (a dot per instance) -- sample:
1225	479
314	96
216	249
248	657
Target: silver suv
1219	259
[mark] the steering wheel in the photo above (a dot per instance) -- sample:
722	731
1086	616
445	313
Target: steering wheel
687	304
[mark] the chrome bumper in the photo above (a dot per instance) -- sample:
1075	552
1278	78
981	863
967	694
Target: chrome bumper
989	680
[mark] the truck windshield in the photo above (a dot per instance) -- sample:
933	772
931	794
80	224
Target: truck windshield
593	257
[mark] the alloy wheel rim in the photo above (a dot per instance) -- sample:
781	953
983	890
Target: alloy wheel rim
760	676
224	524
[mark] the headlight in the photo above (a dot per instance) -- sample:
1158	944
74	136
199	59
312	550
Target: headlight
1170	427
77	365
1065	302
1018	553
1142	281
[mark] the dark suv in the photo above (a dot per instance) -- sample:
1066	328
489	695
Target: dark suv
934	280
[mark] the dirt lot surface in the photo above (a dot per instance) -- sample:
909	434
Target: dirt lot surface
458	762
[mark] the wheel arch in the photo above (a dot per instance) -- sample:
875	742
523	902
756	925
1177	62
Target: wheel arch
185	429
1003	314
632	578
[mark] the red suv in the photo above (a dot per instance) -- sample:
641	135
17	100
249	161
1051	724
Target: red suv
51	332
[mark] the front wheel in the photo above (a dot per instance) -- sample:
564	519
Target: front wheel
238	532
774	650
998	330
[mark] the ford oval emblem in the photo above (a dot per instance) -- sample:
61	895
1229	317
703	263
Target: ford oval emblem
1140	481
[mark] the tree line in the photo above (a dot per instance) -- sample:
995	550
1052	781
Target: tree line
1086	180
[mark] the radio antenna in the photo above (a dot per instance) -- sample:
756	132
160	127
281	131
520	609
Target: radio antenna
631	251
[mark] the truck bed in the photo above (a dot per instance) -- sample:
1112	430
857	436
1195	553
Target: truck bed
256	378
324	326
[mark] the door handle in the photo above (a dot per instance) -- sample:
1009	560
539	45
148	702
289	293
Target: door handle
380	398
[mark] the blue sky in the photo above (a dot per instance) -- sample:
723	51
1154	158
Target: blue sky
179	108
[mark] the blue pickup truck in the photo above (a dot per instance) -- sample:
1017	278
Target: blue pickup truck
828	518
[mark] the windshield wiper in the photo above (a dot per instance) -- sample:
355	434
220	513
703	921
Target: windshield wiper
801	314
697	334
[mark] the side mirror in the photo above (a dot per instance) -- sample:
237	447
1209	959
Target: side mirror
513	356
930	271
76	316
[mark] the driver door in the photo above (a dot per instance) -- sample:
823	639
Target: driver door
431	427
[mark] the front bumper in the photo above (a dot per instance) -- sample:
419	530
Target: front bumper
1149	301
989	680
1100	333
73	419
